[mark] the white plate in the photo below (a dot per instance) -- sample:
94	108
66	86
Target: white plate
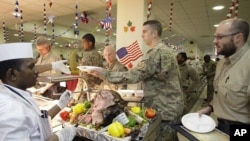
202	124
87	68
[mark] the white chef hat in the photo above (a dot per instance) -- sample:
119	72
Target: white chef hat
11	51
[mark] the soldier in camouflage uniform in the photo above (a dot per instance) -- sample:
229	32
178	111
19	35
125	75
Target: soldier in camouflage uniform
209	67
90	57
160	76
112	64
189	80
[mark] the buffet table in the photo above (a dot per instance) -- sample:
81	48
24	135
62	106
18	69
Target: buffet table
146	129
56	78
91	134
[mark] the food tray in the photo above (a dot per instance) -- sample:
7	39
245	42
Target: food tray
131	95
96	136
152	131
58	78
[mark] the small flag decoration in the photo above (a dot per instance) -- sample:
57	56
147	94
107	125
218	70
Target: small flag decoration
130	53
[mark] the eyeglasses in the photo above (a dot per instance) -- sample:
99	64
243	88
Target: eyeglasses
219	37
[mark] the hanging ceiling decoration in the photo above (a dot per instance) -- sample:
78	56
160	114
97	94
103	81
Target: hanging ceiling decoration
149	9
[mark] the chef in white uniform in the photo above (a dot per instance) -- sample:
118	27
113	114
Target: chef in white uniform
20	117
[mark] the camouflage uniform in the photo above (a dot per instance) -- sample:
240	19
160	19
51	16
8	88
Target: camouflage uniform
160	77
116	66
209	71
89	58
189	82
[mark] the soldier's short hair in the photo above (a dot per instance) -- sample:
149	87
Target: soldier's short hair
42	40
89	37
207	57
155	25
183	55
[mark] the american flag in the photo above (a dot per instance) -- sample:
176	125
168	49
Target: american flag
130	53
107	23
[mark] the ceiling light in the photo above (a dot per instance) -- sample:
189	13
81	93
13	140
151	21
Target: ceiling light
98	29
16	35
219	7
216	25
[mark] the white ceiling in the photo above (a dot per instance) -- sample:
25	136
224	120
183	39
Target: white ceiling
192	19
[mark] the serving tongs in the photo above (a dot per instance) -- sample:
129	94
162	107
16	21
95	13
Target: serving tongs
86	91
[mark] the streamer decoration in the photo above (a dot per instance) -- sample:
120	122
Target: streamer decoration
76	31
16	11
44	20
35	34
233	8
19	34
21	24
53	33
171	16
51	19
106	23
84	17
236	8
149	9
50	3
5	32
230	10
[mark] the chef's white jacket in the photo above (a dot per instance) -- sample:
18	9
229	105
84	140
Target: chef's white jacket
20	117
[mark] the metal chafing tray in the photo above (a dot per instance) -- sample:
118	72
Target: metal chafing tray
131	95
151	131
56	78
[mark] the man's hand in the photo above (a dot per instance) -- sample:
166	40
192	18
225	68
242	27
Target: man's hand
99	72
96	72
60	66
207	110
66	134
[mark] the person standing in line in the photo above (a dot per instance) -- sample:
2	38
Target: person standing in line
160	77
112	64
189	80
209	67
46	56
21	118
90	57
231	100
